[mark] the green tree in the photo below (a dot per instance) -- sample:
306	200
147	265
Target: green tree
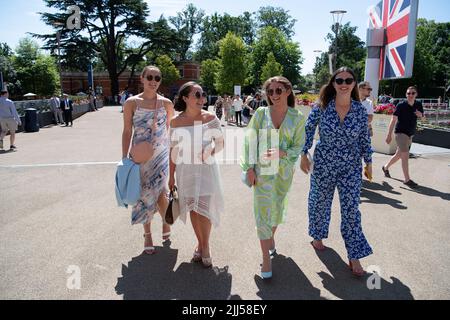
351	53
232	64
105	26
285	51
187	23
277	18
8	70
209	70
36	72
215	27
271	68
169	72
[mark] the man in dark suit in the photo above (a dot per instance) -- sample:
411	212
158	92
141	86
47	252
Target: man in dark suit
66	106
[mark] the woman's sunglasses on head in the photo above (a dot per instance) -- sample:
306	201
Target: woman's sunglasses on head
150	78
278	91
341	81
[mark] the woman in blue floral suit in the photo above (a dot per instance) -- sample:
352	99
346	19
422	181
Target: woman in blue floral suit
344	140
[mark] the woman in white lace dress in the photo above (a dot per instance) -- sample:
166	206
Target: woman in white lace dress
196	137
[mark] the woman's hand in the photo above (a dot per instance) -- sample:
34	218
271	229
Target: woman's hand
388	138
368	171
305	164
171	182
274	154
207	152
251	176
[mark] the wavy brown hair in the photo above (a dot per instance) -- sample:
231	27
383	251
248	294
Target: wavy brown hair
286	83
328	92
184	91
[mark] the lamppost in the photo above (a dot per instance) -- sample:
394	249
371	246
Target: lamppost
337	19
58	39
317	52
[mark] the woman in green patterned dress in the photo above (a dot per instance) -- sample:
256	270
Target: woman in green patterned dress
274	139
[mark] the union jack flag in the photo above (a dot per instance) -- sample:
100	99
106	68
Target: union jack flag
397	54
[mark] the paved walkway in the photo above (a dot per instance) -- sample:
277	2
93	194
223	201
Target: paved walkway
58	215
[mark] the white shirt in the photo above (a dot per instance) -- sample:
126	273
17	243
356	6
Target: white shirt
369	106
237	104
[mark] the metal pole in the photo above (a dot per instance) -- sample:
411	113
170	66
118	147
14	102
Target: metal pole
58	37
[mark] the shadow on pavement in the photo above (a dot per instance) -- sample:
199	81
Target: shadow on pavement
429	192
152	277
426	191
375	197
288	282
344	285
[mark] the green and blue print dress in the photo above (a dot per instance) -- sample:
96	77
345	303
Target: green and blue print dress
274	178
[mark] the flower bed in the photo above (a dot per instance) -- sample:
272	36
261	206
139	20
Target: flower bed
384	108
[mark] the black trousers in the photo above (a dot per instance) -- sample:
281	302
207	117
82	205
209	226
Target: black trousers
68	117
239	117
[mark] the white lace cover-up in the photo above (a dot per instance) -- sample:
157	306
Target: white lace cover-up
199	184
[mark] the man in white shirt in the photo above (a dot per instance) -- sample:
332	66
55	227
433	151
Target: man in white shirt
237	104
365	90
9	119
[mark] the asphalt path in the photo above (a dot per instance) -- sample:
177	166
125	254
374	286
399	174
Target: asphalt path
59	220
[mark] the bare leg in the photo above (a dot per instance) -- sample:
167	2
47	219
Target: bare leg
265	247
205	230
148	242
12	137
162	207
196	226
393	159
405	167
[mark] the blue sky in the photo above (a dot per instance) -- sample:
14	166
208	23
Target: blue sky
313	17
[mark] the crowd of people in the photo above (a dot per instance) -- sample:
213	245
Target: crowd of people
277	136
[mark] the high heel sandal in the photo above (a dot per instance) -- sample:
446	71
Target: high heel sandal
207	262
355	273
322	248
266	275
197	256
166	236
150	249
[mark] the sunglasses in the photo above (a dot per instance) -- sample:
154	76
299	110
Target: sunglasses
411	93
341	81
198	95
369	89
278	91
150	78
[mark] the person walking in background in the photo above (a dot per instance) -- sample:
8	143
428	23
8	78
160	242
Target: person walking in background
237	105
55	108
193	161
227	107
149	115
404	120
268	168
92	100
344	140
365	90
124	95
218	107
67	106
9	120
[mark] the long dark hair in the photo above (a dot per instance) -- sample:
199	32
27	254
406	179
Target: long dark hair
286	83
185	89
328	92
